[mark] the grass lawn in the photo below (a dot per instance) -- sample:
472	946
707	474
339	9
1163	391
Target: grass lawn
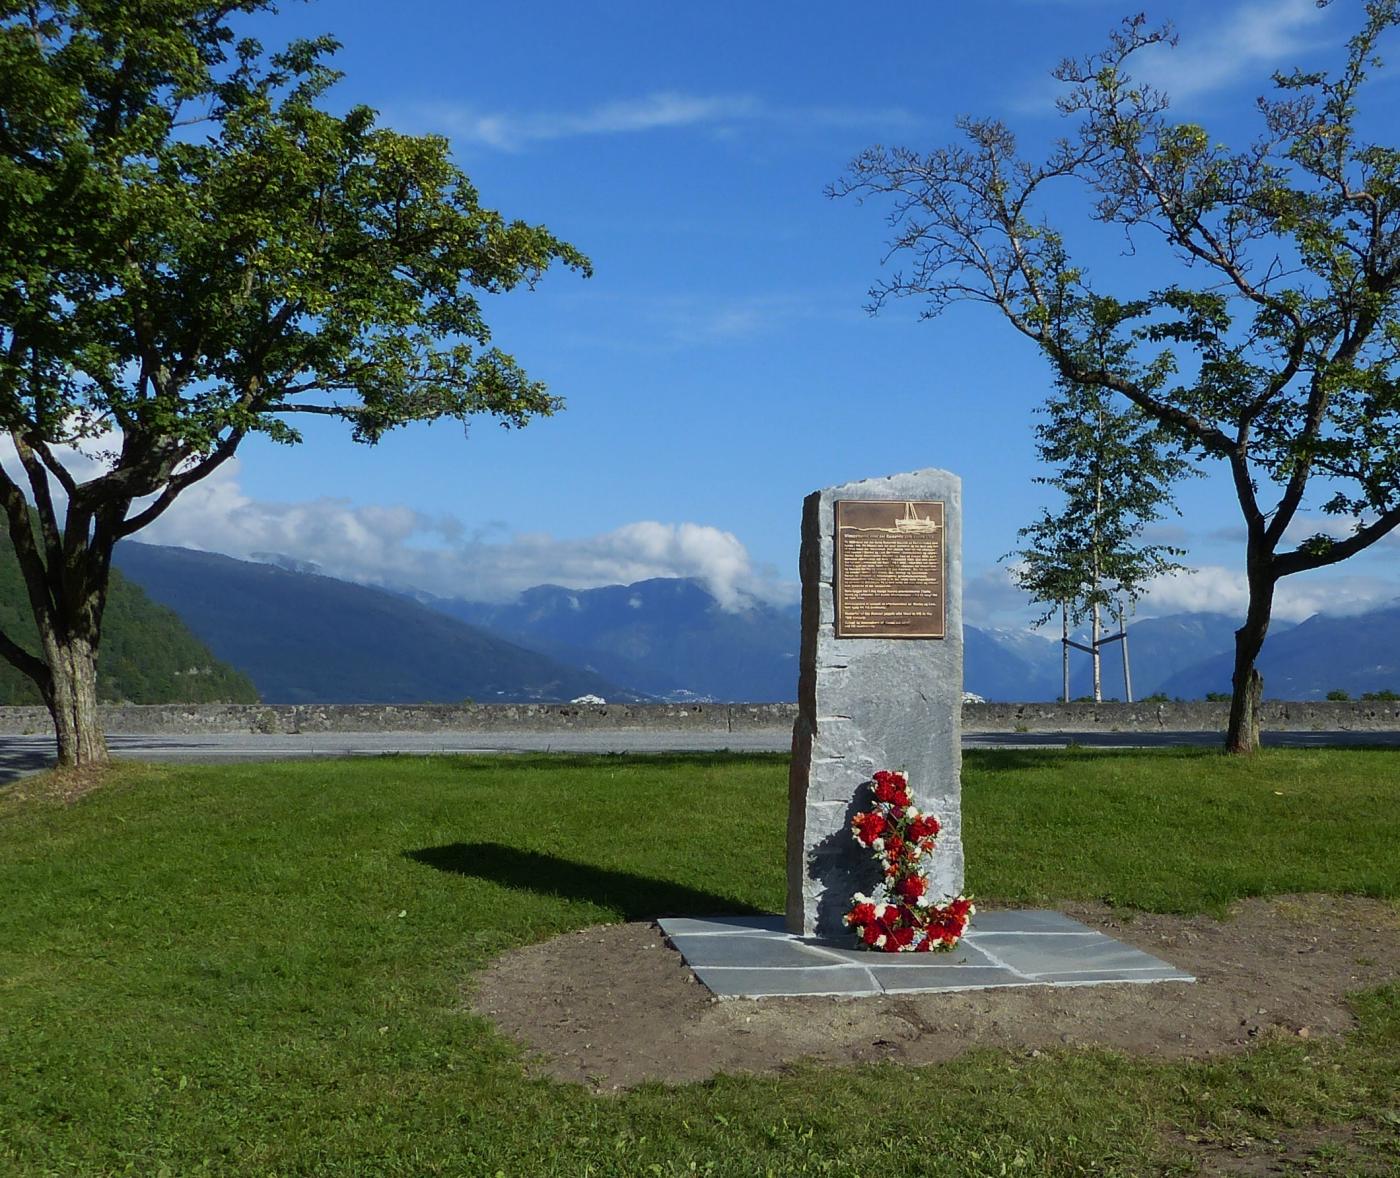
258	969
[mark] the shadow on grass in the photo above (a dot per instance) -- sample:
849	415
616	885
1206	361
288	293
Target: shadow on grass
633	897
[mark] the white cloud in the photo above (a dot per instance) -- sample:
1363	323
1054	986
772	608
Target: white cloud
1245	44
662	110
84	461
1215	589
991	598
398	547
693	319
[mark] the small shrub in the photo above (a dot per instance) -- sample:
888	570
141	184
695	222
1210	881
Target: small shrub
1217	697
1337	695
1385	694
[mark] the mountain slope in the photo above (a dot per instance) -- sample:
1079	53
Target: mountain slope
1353	654
1010	664
304	638
148	654
671	638
1158	649
667	637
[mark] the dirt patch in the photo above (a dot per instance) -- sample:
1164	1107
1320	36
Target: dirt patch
63	785
613	1006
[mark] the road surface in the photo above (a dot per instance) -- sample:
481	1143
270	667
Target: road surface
27	754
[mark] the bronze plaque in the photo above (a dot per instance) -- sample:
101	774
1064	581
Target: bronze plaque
889	569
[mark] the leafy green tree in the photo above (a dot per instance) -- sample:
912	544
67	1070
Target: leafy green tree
1275	353
194	252
1114	472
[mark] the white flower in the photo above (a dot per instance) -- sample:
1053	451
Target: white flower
880	910
912	812
880	941
924	901
878	845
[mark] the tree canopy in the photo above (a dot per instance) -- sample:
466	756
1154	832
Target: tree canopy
1273	346
1114	469
198	250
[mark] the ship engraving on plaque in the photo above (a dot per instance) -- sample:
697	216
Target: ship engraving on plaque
889	569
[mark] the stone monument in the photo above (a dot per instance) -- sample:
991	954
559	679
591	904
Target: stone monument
879	684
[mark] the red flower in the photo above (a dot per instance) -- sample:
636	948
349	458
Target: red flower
924	826
902	923
911	887
869	826
861	914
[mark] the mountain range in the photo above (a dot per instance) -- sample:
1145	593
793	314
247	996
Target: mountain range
303	637
667	637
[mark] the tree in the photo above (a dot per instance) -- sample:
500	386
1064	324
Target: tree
195	251
1276	351
1115	471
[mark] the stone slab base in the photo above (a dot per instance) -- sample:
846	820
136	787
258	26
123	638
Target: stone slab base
755	957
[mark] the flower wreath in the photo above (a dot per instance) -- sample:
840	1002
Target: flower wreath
901	917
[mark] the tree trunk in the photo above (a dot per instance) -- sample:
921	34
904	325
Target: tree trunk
1064	646
1094	631
72	702
1243	734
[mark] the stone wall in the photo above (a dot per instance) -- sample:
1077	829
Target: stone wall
289	718
1192	716
176	719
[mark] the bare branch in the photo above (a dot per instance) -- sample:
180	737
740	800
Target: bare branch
30	665
221	454
1308	557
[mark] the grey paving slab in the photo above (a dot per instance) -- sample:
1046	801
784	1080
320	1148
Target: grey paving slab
966	955
1095	977
729	926
759	952
923	980
1025	920
1043	953
841	981
752	957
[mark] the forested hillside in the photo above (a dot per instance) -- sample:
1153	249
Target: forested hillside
148	654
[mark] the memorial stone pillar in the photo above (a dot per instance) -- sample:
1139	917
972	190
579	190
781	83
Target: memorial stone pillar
879	684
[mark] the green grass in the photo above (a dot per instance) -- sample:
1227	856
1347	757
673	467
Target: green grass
1182	830
259	969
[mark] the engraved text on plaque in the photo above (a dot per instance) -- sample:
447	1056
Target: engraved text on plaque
889	569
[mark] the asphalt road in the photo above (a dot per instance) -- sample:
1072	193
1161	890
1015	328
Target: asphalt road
27	754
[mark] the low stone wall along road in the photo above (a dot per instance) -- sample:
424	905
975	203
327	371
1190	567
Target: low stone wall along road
701	719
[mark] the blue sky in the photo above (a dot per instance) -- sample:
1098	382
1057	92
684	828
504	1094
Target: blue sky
720	365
